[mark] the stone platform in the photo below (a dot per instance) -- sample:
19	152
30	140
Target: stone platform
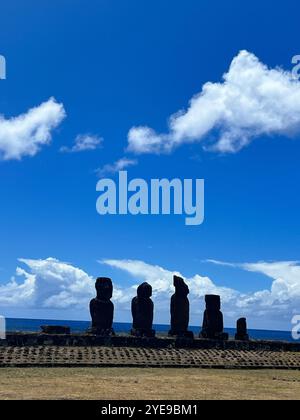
81	350
61	356
125	340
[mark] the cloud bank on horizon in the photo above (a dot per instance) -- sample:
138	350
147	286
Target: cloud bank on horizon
25	134
56	285
252	101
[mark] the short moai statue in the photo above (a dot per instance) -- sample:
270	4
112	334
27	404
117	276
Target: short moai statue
180	310
241	330
213	325
142	309
102	308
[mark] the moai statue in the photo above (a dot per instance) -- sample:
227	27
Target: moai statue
213	319
102	308
241	330
142	309
180	310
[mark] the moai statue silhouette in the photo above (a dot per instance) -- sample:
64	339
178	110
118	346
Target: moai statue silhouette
213	325
241	330
180	310
102	308
142	309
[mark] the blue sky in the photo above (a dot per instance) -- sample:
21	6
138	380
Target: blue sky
114	65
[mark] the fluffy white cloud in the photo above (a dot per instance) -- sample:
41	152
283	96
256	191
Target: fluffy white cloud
162	279
83	143
285	288
48	284
117	166
285	276
162	284
252	101
54	285
26	134
282	300
14	293
266	308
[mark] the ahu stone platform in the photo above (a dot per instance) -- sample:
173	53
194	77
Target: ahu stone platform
81	350
61	356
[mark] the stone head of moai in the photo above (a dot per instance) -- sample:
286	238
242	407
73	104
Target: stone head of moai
213	303
144	291
104	288
181	288
242	325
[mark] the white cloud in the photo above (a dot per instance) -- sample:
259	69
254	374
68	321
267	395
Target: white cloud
54	285
283	298
17	294
117	166
26	134
266	308
83	143
252	101
286	285
48	284
162	283
146	140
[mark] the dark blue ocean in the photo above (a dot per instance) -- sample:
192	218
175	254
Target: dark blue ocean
33	325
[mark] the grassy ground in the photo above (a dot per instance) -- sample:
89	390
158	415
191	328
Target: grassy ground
131	384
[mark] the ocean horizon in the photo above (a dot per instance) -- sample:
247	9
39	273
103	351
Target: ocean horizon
34	325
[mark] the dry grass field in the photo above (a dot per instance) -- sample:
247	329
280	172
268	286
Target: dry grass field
132	384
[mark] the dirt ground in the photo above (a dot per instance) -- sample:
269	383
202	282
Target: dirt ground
132	384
